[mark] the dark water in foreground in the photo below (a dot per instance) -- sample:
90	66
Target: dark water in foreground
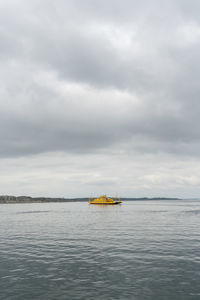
147	250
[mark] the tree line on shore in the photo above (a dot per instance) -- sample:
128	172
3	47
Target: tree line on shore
28	199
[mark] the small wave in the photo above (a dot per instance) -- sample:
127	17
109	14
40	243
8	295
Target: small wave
34	212
158	211
193	212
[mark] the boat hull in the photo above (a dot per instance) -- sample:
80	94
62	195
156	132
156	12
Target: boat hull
104	203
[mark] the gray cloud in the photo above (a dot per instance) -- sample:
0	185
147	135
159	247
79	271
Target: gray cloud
92	77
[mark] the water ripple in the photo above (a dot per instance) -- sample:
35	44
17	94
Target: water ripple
74	251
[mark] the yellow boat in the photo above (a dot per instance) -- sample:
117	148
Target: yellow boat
104	200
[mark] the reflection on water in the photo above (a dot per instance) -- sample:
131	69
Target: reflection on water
137	250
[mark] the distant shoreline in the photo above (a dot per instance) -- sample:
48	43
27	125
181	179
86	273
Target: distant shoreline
5	199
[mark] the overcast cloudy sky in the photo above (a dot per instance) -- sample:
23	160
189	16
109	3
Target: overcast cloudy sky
100	97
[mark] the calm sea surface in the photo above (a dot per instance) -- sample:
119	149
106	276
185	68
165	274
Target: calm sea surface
147	250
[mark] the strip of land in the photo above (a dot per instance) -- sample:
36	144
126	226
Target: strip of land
27	199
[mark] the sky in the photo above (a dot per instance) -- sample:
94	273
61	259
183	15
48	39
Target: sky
100	97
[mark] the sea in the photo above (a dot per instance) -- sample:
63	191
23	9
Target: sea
139	250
